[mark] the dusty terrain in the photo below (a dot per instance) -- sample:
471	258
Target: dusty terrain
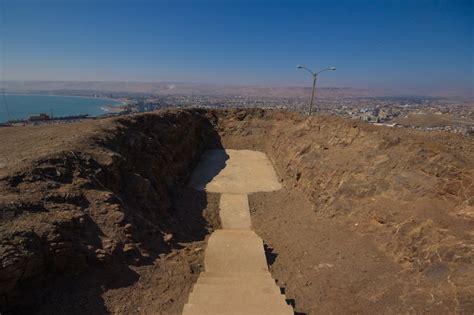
96	217
370	219
428	119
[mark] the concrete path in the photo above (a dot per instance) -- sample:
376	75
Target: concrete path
235	212
234	172
236	279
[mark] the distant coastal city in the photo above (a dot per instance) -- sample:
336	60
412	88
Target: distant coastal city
419	112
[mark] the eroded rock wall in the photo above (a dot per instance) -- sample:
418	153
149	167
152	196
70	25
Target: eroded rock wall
106	201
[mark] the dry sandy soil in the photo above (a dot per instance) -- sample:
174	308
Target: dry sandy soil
96	216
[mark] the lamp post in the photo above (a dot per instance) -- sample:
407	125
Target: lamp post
315	75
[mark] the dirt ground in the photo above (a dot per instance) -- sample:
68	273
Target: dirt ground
328	266
96	216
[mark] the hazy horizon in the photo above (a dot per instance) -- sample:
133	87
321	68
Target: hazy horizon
392	47
18	86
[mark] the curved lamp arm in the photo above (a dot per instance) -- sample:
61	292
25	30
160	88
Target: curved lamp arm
331	68
304	68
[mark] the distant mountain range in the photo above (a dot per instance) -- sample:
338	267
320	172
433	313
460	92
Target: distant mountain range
172	88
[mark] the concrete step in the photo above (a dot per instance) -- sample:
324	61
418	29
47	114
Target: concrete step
236	298
243	309
237	287
236	231
213	300
235	251
237	275
237	280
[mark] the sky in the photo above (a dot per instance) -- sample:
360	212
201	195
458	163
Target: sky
411	47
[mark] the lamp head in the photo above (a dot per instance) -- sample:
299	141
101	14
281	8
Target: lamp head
299	67
332	68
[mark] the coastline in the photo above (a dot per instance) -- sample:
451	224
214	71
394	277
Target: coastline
108	106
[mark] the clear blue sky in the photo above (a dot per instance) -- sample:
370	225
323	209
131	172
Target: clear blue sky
408	46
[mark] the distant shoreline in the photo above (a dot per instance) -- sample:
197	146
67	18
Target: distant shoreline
97	107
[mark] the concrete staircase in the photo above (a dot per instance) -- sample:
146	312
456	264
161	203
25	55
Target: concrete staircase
236	278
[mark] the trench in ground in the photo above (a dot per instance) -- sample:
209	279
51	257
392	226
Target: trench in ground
324	262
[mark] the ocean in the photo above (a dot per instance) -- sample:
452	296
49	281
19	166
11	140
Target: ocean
24	106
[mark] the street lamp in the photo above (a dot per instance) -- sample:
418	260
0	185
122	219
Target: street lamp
314	82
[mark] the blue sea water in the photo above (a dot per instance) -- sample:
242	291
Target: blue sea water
23	106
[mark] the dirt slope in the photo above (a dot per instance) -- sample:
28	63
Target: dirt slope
372	219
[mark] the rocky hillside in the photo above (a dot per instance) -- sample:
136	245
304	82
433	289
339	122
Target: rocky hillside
104	202
96	216
411	192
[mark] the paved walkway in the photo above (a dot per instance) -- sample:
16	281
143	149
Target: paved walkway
236	279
